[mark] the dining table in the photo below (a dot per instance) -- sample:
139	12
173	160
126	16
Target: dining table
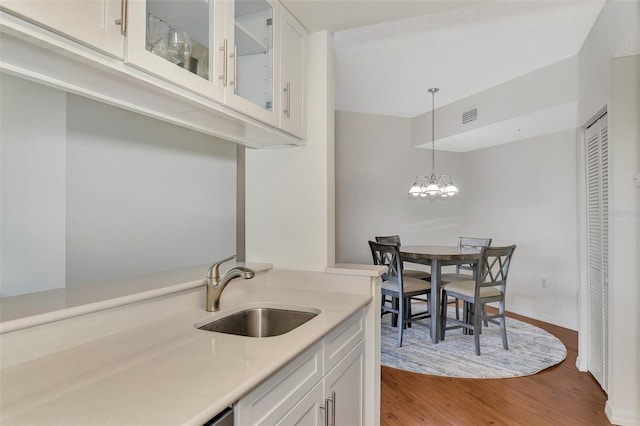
437	257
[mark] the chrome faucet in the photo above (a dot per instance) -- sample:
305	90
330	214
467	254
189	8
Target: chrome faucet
215	284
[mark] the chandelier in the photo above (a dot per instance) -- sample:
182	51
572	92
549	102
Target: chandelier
433	185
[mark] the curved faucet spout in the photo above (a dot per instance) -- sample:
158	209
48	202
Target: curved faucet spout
215	284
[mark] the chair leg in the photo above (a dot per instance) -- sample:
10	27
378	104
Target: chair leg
443	315
457	309
394	317
484	313
503	328
401	317
477	320
466	317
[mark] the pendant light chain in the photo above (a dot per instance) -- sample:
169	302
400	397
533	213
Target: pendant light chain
433	131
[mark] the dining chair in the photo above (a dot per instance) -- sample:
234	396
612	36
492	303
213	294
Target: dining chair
489	285
464	272
398	286
415	273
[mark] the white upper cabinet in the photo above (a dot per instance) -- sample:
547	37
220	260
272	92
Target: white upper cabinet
179	41
190	62
96	23
221	49
252	50
293	39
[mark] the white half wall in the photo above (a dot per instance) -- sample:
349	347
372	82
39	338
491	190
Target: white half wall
32	195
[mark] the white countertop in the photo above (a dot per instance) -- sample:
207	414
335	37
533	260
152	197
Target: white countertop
166	371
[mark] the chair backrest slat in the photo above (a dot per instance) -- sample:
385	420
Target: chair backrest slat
387	252
493	267
388	239
471	243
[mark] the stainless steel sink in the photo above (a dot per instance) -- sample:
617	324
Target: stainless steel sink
260	322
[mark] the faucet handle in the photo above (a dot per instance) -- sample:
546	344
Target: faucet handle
213	270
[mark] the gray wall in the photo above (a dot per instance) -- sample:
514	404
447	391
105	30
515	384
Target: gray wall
92	193
524	193
32	191
375	167
508	192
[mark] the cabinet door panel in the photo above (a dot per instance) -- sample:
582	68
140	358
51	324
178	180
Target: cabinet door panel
270	401
181	41
308	412
91	22
293	38
347	381
341	340
253	45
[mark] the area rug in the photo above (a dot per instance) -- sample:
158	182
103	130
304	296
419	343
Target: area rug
531	349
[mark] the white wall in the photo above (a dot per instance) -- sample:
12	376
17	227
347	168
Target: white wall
93	193
32	195
624	357
143	195
605	81
524	193
375	167
546	97
290	191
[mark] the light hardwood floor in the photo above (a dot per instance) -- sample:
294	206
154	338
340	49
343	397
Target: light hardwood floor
560	395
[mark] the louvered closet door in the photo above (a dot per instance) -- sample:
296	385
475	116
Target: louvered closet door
598	247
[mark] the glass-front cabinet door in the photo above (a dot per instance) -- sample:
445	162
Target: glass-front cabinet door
251	53
180	41
221	49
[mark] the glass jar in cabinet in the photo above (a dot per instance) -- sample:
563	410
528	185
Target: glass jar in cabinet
181	41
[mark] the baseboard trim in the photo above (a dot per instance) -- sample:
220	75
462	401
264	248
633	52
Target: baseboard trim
542	317
581	364
621	417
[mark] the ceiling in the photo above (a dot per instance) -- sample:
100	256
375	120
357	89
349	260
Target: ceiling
388	53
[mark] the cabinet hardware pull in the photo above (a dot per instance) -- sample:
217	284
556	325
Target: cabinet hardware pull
123	18
325	407
235	69
223	49
333	408
287	90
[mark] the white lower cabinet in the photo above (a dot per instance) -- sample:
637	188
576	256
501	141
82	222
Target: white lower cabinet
309	411
323	386
344	390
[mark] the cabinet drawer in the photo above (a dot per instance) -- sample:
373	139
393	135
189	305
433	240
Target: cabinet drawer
340	341
270	401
